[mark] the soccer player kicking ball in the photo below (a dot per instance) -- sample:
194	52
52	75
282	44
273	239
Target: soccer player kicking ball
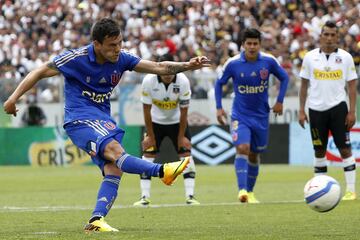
91	73
165	103
250	71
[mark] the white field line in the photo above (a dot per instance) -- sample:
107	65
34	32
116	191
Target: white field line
6	209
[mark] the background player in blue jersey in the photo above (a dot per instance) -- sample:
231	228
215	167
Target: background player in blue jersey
250	72
91	73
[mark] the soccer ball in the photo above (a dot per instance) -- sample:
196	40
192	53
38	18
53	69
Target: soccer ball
322	193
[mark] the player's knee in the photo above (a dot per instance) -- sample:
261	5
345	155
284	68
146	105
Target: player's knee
112	169
243	149
345	152
320	153
184	152
254	158
113	151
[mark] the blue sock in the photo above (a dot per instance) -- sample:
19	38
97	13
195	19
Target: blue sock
131	164
253	172
241	169
106	195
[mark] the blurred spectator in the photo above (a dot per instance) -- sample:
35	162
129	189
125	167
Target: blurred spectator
33	115
31	29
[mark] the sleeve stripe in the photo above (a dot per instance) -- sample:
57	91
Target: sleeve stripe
69	56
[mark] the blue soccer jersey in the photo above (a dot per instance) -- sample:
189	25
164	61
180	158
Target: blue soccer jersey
89	85
251	83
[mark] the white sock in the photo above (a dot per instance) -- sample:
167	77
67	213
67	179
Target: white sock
350	173
189	184
145	184
320	166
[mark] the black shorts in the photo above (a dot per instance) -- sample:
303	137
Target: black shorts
161	131
332	120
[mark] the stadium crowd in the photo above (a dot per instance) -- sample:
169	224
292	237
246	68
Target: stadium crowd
33	31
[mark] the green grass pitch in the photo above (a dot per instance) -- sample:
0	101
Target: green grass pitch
55	203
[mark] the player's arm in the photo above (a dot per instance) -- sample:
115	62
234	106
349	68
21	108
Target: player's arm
171	68
146	99
351	77
351	117
149	140
220	112
302	100
183	142
283	77
305	76
44	71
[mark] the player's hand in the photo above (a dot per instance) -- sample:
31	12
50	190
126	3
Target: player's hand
148	142
302	118
278	109
350	120
184	142
10	107
199	62
221	116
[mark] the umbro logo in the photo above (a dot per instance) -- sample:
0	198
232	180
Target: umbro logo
253	74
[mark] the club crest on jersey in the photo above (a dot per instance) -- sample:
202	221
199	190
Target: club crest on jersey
338	59
234	136
234	125
115	78
109	125
176	89
264	73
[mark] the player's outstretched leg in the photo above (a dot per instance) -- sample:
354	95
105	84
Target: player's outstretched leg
172	170
167	172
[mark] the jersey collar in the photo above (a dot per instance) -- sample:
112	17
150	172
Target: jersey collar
159	79
243	59
91	53
336	50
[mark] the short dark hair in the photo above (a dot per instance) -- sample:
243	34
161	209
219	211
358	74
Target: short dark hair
103	28
251	33
165	57
329	24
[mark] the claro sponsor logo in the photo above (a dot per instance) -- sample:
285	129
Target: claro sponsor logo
97	97
332	152
246	89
